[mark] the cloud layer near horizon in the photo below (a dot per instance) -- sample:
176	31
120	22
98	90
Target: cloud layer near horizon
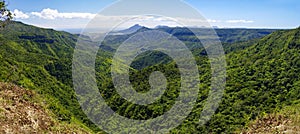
55	15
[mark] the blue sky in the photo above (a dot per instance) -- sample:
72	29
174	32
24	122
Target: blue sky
75	14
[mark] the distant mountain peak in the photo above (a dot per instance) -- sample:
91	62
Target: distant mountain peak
132	29
136	25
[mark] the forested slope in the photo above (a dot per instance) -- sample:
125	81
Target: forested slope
40	59
262	75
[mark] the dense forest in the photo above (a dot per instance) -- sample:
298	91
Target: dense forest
262	74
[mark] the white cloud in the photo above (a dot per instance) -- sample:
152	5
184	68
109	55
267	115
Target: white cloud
239	21
52	14
20	15
213	21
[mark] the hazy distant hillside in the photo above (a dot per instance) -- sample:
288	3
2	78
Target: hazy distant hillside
186	35
232	39
226	35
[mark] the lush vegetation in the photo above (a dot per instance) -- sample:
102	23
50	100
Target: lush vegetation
262	74
40	59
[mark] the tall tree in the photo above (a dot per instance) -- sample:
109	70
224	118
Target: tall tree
5	14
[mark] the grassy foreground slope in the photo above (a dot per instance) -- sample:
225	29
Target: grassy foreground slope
286	120
23	111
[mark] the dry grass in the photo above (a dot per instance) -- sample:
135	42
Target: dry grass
286	121
21	113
